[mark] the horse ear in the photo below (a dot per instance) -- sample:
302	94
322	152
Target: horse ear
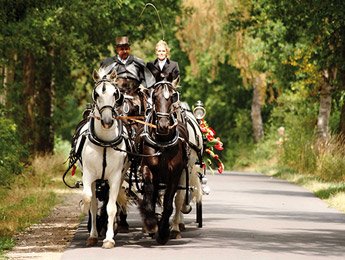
113	75
95	75
175	82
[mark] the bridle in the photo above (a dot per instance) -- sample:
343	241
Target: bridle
159	114
118	100
172	109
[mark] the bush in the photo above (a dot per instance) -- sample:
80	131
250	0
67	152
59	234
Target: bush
298	117
11	151
331	160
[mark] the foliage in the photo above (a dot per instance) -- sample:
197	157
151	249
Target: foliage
297	115
67	40
11	151
331	160
218	58
6	243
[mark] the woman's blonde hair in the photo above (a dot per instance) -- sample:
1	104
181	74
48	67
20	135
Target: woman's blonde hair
165	45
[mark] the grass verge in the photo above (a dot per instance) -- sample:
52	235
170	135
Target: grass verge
29	198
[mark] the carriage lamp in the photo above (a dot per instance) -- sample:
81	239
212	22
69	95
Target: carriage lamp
199	110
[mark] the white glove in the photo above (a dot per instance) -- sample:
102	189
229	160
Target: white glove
142	88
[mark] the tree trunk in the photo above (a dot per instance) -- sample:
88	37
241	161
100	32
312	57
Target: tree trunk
28	100
3	93
342	114
325	107
44	138
257	102
8	78
342	120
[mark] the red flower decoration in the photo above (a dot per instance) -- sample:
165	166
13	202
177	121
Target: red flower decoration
212	143
220	167
73	170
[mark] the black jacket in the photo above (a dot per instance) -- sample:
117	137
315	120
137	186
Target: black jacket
169	72
133	69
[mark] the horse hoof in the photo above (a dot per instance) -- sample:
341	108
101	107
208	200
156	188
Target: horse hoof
162	240
151	228
108	244
174	234
123	229
182	227
91	241
186	209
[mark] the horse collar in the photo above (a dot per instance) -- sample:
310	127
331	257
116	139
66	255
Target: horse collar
149	140
96	141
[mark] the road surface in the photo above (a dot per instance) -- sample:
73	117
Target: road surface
246	216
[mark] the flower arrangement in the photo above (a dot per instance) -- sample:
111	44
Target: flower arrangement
213	143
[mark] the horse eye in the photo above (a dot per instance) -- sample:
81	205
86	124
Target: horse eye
95	95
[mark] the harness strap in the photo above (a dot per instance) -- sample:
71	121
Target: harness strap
136	119
132	118
80	148
104	161
137	154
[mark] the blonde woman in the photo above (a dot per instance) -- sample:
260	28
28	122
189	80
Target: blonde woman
162	67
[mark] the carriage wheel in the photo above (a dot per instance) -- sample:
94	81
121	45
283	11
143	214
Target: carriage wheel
199	214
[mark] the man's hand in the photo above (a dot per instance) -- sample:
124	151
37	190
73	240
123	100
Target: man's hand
142	88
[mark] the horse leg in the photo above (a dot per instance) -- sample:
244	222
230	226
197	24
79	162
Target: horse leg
93	237
121	216
109	241
147	205
87	193
164	227
178	218
122	226
89	205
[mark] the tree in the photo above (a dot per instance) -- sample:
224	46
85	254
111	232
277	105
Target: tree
48	50
315	30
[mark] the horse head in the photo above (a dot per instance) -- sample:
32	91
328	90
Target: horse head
106	98
164	99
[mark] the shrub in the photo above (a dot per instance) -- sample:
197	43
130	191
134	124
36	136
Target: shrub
11	151
331	160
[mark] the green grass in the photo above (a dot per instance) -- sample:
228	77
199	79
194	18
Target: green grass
29	198
6	243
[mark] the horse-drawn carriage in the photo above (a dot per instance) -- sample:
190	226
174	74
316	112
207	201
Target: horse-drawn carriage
156	159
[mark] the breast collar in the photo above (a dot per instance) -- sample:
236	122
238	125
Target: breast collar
96	141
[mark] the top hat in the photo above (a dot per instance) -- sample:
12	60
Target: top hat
122	41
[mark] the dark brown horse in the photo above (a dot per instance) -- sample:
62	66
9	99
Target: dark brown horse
165	138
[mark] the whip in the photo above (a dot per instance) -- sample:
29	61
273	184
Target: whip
159	18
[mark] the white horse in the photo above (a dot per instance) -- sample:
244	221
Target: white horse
194	168
103	155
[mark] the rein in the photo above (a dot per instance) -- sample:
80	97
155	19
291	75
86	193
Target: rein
132	118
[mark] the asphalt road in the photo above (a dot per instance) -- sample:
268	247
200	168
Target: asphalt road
246	216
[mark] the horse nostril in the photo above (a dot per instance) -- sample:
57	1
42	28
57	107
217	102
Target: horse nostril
107	123
163	125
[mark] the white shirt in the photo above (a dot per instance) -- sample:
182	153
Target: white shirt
161	63
123	61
